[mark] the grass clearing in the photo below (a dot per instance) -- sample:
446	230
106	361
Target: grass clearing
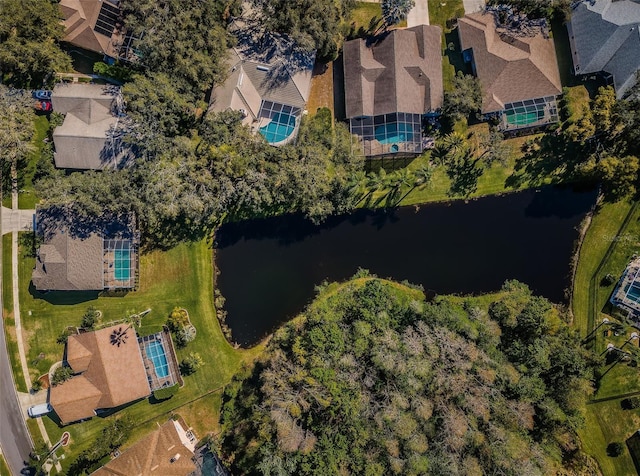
181	277
363	14
27	197
4	469
607	246
321	93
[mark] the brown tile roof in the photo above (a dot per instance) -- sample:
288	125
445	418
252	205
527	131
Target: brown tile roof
114	374
401	73
509	68
80	18
165	452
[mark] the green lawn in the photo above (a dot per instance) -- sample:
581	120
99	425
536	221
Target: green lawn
609	243
27	197
182	277
362	15
493	180
4	469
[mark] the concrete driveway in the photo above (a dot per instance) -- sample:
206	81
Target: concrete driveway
472	6
419	14
19	220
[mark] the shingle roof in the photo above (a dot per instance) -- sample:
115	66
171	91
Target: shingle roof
110	375
401	73
165	452
71	255
80	18
605	36
510	68
86	139
263	67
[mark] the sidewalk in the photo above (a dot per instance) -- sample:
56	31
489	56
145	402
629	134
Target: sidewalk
472	6
419	14
18	220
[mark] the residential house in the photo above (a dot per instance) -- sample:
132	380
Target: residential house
517	69
85	255
109	372
168	451
269	79
95	25
605	38
90	138
390	85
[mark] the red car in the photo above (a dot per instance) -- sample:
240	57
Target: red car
43	106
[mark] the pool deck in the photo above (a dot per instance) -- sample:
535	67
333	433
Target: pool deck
620	296
174	376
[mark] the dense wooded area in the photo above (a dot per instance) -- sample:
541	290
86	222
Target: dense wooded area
373	380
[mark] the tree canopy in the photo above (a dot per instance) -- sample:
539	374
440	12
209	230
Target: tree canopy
29	35
185	39
373	380
313	24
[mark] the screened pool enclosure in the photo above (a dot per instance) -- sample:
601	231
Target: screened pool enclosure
397	134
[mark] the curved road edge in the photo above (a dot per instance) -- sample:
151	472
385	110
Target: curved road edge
15	440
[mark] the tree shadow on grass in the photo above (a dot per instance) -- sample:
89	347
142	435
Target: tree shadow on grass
548	158
63	298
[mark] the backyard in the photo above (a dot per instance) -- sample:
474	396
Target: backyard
181	277
610	242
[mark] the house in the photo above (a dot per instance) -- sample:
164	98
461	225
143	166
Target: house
85	255
108	372
168	451
517	68
605	38
268	82
390	85
626	295
94	25
90	138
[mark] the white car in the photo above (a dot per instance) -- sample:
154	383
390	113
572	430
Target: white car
39	410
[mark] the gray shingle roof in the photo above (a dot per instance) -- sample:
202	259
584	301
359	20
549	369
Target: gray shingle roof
605	36
401	73
70	257
88	138
265	67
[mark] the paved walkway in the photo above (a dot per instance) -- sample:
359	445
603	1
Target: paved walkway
16	220
14	437
472	6
419	14
22	220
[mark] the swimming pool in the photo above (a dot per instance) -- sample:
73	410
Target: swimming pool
155	351
523	118
122	264
281	126
393	133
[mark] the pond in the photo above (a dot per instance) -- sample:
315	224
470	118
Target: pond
269	267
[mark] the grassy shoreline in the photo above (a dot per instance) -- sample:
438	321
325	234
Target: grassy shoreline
606	248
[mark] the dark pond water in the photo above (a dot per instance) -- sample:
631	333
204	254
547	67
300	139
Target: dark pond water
268	268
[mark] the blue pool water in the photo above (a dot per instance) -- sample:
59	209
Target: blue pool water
394	132
122	261
155	351
280	127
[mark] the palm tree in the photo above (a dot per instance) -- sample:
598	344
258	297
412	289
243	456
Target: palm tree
422	175
454	144
400	178
394	11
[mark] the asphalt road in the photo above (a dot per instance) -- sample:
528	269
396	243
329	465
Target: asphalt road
14	436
